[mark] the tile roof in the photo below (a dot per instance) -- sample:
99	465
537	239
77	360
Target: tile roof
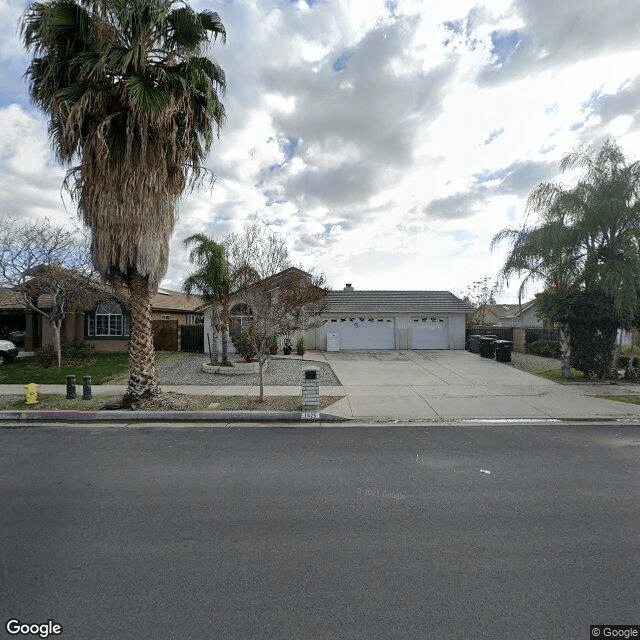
163	300
509	310
395	302
167	300
10	300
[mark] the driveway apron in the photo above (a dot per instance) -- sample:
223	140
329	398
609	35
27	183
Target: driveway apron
456	385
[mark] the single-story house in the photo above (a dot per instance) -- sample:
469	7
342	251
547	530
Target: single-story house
376	320
392	320
512	315
107	327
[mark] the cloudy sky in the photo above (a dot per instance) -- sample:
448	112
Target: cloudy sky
388	140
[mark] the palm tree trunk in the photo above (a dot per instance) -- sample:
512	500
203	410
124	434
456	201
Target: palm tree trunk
213	350
225	344
143	379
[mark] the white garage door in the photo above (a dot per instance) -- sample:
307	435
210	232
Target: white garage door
429	333
363	333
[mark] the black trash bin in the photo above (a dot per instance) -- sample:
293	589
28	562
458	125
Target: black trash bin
503	350
487	347
474	343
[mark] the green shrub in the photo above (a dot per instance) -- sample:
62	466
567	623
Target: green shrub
244	346
74	353
545	348
77	353
623	362
593	332
45	357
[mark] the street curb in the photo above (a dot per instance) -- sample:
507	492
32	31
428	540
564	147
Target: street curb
168	416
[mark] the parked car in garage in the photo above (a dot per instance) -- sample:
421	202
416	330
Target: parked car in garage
8	351
17	337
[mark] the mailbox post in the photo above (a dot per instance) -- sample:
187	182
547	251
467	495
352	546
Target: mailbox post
311	391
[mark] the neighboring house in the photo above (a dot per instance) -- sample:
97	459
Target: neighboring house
381	320
12	316
107	327
512	315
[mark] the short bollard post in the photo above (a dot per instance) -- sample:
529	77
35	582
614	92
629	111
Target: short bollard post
86	388
71	387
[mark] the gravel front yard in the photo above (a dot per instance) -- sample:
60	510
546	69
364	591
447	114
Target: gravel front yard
186	368
533	364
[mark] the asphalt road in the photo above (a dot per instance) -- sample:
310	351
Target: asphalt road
305	533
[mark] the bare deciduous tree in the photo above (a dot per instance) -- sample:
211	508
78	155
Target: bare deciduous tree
42	261
282	299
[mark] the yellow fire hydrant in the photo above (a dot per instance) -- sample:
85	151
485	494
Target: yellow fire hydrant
32	393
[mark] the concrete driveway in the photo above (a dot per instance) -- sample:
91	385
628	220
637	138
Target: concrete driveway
456	385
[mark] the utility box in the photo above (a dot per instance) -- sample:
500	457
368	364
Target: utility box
333	342
311	391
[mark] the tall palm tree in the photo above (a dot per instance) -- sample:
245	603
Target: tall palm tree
587	236
213	280
132	103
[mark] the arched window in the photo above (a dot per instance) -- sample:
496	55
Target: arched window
241	316
108	321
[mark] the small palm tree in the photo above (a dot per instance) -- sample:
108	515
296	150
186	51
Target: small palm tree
214	282
132	102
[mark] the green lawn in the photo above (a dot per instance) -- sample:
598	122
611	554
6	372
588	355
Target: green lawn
629	399
556	376
104	368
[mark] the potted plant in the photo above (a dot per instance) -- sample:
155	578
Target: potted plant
300	347
272	344
287	346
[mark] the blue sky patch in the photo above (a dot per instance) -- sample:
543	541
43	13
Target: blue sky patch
592	101
460	235
342	61
504	44
290	147
455	26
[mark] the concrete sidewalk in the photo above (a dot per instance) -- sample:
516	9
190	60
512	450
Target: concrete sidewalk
432	386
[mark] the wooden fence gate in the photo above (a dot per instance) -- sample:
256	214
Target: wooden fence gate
165	335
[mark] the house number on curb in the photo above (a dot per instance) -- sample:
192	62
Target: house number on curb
311	415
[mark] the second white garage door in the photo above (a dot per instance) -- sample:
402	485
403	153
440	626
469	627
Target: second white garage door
429	333
364	333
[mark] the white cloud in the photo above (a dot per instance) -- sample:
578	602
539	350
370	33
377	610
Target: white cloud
389	140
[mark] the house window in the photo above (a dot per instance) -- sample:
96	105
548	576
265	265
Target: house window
108	321
166	316
191	318
241	317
